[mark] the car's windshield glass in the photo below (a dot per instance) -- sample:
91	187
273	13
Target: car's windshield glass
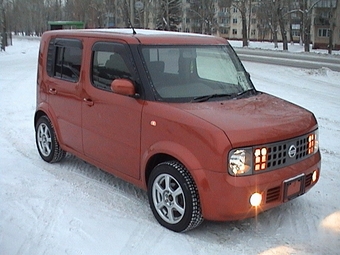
186	73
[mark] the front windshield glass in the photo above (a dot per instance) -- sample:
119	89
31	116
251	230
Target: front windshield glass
187	73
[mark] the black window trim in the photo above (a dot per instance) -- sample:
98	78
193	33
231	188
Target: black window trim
52	50
68	42
114	47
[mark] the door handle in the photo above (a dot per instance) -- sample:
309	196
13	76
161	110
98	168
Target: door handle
88	101
52	91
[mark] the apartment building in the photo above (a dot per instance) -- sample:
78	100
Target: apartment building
326	24
226	20
259	28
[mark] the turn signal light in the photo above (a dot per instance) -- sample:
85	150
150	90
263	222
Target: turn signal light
260	159
311	143
314	176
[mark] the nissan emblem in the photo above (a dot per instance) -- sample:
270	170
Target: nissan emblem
292	151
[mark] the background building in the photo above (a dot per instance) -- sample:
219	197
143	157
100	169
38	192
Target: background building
326	24
305	21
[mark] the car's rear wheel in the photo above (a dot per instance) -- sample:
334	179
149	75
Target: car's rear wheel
46	141
173	197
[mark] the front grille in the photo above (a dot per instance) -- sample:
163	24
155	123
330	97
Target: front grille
273	194
277	155
308	180
301	148
280	154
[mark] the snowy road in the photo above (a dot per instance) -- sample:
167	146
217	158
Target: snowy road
300	60
74	208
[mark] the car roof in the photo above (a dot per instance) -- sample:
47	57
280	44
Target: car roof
144	36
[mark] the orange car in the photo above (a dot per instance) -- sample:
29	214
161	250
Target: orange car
175	114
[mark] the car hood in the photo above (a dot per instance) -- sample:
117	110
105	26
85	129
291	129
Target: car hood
258	119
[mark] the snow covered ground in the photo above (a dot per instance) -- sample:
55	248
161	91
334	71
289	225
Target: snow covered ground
74	208
292	47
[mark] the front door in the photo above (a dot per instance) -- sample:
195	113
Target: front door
111	122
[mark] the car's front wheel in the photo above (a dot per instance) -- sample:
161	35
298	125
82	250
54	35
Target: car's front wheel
46	141
173	197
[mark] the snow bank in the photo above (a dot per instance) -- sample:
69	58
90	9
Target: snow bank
292	47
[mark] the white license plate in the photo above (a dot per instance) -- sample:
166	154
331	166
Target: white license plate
294	187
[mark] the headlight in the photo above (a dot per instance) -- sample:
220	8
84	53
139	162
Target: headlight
240	162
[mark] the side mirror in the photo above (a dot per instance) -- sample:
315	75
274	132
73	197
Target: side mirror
123	87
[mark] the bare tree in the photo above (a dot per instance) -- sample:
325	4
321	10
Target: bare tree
267	15
169	14
331	26
241	5
281	12
3	41
264	21
203	12
306	9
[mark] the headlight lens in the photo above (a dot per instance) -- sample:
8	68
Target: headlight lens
240	161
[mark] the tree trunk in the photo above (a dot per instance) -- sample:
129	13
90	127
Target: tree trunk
3	42
283	31
330	43
249	18
307	34
275	19
275	37
306	26
290	24
167	25
291	33
331	29
244	30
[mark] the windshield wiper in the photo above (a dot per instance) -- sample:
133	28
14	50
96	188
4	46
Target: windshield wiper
207	97
246	93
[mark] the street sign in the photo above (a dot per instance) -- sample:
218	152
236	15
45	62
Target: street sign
139	5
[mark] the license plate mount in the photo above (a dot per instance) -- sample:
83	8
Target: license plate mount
294	187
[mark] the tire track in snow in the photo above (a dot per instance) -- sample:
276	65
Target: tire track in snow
39	234
111	191
136	242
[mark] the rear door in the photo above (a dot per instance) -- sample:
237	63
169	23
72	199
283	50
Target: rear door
111	122
64	94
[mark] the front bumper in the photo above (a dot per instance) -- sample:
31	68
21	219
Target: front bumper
224	197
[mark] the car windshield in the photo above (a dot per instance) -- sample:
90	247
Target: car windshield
196	73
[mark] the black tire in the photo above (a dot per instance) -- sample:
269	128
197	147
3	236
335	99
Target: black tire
173	197
46	141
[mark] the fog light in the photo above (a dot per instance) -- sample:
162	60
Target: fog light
314	176
256	199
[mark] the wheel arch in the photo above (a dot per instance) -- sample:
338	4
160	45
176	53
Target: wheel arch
168	151
38	114
42	111
154	161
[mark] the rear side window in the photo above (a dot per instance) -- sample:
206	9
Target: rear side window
64	59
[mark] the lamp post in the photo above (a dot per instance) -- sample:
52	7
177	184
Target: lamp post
132	13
